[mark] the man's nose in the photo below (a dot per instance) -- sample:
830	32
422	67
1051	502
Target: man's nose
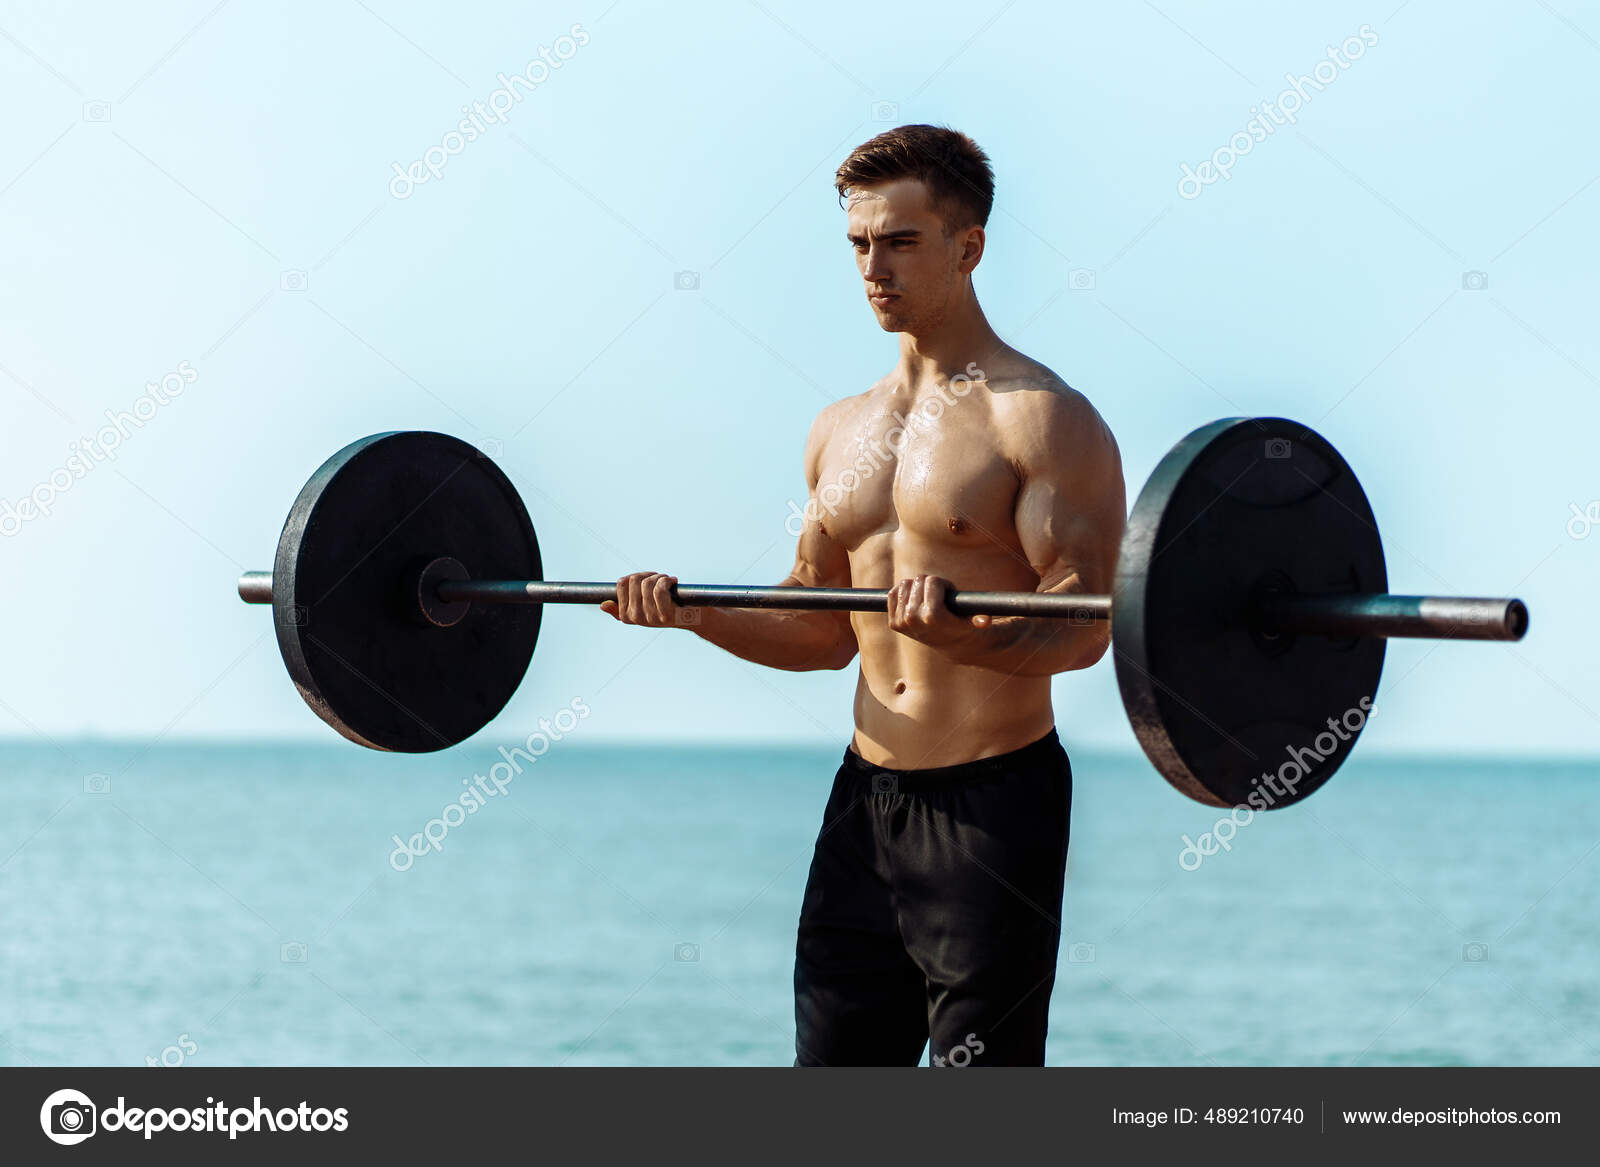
877	267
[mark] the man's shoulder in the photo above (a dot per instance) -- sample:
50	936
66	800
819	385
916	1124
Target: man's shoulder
824	425
831	414
1049	429
1034	397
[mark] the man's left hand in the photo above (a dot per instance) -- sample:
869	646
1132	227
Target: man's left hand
917	609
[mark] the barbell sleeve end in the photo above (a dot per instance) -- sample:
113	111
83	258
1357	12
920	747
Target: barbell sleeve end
255	587
1384	615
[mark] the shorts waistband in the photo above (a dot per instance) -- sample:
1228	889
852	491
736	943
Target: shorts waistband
1034	753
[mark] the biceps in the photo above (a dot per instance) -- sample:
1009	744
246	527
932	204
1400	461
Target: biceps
820	561
1068	539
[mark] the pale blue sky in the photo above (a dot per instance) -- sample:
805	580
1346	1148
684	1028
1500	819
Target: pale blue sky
210	184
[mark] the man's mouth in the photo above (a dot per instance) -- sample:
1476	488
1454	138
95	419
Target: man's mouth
879	299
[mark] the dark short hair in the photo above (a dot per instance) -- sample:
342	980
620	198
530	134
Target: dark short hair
951	165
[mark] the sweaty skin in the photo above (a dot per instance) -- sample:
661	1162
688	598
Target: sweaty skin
968	465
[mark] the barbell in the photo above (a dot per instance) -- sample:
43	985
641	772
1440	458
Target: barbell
1248	624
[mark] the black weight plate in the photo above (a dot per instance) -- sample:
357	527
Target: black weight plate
1221	710
353	638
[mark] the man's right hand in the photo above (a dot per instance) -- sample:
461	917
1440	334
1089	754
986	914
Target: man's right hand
645	598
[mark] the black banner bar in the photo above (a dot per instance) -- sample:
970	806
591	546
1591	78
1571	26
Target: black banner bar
716	1115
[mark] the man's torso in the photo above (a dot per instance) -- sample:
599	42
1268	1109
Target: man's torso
939	501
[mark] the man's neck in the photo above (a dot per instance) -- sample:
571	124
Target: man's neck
948	349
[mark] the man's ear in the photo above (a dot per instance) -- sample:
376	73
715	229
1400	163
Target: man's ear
971	249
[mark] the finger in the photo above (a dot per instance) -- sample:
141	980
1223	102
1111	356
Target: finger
647	599
636	591
628	590
657	600
609	607
911	607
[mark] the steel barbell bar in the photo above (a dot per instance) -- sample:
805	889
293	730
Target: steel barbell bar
1341	614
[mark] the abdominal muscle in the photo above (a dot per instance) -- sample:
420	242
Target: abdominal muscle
915	707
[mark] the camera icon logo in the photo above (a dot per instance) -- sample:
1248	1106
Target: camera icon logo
1474	281
294	952
1475	952
1278	448
686	281
1081	953
97	111
885	784
293	280
686	953
491	447
297	616
885	111
688	617
97	783
1081	279
67	1117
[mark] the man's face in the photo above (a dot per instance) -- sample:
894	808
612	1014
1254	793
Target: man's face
911	268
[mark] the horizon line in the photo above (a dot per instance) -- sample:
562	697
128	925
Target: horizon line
687	743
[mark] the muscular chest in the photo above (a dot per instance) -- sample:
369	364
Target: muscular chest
943	479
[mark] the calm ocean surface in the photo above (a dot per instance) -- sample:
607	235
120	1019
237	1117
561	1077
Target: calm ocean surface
237	905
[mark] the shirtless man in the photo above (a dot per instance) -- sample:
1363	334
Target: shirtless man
931	913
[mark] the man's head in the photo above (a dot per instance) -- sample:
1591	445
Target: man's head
917	199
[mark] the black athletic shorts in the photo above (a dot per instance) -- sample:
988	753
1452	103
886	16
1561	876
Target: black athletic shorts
932	912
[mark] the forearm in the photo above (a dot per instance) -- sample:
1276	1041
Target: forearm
1035	646
797	641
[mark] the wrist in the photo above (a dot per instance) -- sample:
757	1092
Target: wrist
700	621
978	644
